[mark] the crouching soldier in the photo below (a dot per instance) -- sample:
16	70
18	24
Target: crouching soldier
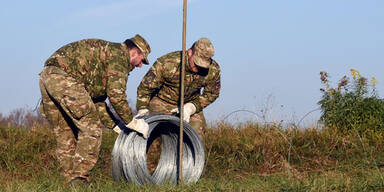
75	82
159	90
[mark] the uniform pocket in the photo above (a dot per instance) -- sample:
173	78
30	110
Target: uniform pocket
78	106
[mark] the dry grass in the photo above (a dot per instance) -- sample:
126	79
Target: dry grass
245	155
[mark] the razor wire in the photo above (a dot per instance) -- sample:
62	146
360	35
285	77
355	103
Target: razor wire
129	161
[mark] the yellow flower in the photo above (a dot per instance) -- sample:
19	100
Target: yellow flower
332	91
374	81
355	74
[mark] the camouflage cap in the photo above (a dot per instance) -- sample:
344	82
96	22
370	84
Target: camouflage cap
203	51
143	46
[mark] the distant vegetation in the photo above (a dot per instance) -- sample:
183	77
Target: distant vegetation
244	156
353	106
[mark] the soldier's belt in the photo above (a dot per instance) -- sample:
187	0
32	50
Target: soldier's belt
172	102
167	100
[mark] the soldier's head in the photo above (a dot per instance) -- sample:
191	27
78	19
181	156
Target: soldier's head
199	55
138	50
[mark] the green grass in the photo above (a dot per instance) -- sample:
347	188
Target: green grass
242	157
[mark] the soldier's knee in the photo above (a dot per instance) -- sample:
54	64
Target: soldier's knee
90	125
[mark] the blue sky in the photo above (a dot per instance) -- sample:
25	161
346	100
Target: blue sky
270	52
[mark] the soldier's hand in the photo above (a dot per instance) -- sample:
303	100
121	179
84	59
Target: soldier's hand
140	126
142	112
120	126
117	129
189	109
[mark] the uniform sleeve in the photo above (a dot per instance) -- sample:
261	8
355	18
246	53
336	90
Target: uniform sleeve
150	83
116	87
105	115
210	93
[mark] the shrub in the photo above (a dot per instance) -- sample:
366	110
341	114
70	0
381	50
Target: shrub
353	105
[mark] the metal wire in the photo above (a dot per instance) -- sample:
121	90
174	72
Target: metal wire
129	153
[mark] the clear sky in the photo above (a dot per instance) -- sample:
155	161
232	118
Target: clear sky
270	52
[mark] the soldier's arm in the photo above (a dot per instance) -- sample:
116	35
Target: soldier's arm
150	82
105	115
210	93
116	87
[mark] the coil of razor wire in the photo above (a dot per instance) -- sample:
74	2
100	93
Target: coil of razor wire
129	161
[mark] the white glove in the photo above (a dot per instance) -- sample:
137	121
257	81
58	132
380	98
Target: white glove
140	126
189	109
142	112
120	126
117	129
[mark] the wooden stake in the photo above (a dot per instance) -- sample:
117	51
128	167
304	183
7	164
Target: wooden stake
182	77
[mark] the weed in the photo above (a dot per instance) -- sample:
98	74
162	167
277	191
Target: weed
353	105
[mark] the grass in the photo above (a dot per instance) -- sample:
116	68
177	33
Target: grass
242	157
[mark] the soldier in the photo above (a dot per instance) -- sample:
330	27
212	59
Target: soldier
159	89
75	82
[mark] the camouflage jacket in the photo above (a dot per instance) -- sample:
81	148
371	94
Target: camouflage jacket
103	67
163	81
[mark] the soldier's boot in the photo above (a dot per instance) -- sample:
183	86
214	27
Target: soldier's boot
78	181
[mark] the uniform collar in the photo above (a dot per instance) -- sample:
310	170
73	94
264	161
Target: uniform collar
187	66
189	70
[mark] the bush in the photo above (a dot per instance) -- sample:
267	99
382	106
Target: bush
353	105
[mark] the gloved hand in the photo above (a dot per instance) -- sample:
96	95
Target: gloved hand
140	126
142	112
189	109
119	127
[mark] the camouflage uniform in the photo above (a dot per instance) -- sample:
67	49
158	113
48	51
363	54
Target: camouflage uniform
75	82
160	87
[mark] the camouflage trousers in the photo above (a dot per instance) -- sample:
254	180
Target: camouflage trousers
197	120
76	124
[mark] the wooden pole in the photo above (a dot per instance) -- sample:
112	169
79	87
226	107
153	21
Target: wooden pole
182	77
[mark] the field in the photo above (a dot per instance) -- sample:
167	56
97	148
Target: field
240	157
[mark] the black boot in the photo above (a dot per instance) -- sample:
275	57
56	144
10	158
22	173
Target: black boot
78	180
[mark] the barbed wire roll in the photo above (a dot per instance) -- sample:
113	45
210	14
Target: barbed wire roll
129	161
